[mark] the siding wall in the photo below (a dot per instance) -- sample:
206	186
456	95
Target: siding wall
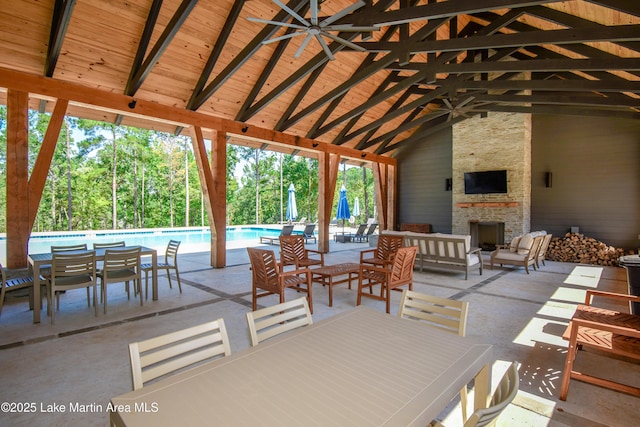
595	166
422	174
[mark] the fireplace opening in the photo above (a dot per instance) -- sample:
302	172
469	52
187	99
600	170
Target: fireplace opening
486	235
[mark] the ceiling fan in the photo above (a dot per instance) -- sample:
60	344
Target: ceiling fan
457	108
316	28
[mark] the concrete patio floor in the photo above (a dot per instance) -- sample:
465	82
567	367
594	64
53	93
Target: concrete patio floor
83	359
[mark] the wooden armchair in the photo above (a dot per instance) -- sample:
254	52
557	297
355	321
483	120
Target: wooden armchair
390	277
608	331
267	275
525	254
293	252
383	253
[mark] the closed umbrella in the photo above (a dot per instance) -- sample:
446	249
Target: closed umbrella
292	209
343	207
356	207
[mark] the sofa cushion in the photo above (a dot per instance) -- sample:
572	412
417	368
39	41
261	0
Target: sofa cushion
524	246
508	256
513	247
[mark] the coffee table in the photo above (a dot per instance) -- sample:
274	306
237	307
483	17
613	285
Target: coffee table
328	273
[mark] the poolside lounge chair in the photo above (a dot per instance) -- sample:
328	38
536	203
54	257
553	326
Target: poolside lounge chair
286	231
364	237
359	235
308	233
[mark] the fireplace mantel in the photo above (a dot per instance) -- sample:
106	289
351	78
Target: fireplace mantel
488	205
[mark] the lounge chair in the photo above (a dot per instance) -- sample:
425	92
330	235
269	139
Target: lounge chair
308	233
359	235
286	231
365	236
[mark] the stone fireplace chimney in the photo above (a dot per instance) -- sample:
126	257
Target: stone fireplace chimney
500	141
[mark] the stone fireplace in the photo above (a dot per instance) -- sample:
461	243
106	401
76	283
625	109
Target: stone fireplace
486	235
500	141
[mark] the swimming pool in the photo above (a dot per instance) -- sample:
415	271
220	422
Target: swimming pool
192	239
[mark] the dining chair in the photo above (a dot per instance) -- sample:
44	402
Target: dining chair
71	271
165	354
13	284
267	275
67	248
442	313
170	263
501	398
271	321
390	277
384	251
106	245
293	252
120	265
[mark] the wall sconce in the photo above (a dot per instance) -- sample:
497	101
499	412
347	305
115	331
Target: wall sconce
132	104
548	179
315	144
448	184
245	129
363	155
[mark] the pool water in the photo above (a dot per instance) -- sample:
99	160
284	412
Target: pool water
191	240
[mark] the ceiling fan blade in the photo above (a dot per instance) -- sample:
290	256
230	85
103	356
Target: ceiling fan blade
344	42
344	12
292	12
282	24
465	101
325	47
348	28
286	36
314	12
450	116
304	44
448	104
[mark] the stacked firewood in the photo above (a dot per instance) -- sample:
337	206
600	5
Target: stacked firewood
575	247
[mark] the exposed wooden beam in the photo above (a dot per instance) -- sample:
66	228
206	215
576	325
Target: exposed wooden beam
550	85
565	110
246	53
143	45
437	10
529	38
161	45
122	104
217	49
61	15
593	101
627	6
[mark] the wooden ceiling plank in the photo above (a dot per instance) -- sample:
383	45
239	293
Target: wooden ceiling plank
161	45
143	44
297	99
59	25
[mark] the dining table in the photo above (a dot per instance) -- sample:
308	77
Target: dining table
37	261
361	367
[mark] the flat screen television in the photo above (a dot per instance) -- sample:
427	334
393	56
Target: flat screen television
485	182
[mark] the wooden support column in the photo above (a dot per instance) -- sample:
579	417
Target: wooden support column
384	180
214	190
328	165
18	229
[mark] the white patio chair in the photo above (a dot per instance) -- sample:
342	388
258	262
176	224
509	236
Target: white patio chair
160	356
170	263
120	265
271	321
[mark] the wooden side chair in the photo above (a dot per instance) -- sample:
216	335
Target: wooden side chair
501	398
268	276
120	265
13	284
163	355
71	271
293	252
170	263
442	313
390	277
271	321
382	255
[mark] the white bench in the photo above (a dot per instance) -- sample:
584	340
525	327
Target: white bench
446	251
